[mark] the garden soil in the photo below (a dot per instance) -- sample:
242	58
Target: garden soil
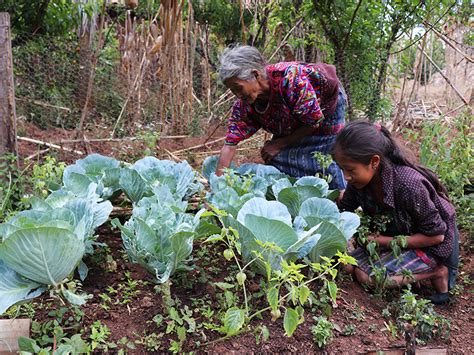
355	308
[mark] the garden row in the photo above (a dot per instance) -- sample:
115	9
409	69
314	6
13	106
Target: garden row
270	224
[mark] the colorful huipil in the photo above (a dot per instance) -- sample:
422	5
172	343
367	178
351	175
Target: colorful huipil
300	94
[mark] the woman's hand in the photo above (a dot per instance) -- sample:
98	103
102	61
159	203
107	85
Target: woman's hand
271	149
381	240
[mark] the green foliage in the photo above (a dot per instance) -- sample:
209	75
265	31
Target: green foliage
419	315
46	70
284	287
362	34
322	331
13	184
449	152
99	337
62	331
47	177
223	17
42	16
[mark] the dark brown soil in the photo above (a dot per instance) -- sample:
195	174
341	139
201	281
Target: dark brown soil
133	318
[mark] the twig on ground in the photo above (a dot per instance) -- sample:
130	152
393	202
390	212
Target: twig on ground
38	153
44	104
30	140
131	139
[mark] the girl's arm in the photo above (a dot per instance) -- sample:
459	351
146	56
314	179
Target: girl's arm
414	241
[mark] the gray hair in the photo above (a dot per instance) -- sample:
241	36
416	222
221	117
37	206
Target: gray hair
239	62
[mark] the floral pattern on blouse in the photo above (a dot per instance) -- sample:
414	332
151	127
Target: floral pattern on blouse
295	96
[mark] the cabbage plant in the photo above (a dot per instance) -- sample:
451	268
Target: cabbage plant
268	230
95	168
140	179
236	186
42	246
159	235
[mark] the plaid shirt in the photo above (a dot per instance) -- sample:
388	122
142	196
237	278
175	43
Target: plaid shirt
414	204
300	94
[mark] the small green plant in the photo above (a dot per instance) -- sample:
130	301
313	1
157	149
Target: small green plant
420	315
99	335
285	288
13	183
62	332
151	342
322	331
47	177
324	161
349	329
151	141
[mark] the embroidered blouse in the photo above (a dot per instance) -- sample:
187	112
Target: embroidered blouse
415	204
299	94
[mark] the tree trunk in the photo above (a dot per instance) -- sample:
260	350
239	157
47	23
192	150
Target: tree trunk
7	90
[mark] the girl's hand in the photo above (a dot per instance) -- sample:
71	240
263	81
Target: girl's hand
381	240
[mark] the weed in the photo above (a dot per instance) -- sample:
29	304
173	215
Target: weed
286	288
261	334
99	336
47	177
349	329
151	342
417	317
13	183
324	161
322	331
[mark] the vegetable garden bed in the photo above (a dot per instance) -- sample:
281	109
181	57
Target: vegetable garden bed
220	303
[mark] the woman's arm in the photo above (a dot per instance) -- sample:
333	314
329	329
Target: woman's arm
414	241
225	158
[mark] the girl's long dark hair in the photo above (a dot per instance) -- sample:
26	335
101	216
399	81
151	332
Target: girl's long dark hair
361	140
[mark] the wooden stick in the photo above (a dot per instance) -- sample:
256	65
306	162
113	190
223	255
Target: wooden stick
171	154
30	140
448	42
217	151
445	77
90	84
284	38
38	153
439	110
202	145
455	109
44	104
424	108
216	128
65	141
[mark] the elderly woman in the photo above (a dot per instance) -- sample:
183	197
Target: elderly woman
302	105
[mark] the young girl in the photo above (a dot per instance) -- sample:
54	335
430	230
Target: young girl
383	180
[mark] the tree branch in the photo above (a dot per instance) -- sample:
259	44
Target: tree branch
346	39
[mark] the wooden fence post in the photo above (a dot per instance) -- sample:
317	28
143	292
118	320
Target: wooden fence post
7	89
